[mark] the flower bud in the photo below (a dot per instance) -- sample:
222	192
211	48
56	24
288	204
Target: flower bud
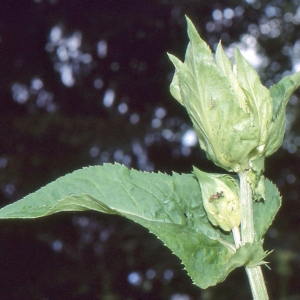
238	121
220	196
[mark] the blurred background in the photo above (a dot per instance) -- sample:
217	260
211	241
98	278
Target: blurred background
85	82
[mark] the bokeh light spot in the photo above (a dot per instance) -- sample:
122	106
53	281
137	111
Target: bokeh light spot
109	98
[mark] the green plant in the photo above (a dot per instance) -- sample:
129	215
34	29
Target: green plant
213	222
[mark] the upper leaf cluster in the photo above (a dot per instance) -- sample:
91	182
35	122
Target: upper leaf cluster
238	121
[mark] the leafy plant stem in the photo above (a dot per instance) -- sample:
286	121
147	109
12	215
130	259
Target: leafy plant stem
255	276
236	236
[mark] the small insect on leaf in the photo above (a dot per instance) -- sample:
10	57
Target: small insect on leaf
213	103
215	196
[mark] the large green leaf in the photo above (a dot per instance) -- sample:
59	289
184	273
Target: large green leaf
169	206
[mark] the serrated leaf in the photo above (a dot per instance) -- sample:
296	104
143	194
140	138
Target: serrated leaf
206	260
253	254
264	211
169	206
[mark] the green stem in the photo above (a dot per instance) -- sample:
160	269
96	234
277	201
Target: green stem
255	276
236	236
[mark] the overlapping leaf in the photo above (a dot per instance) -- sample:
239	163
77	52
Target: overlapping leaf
216	104
238	120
